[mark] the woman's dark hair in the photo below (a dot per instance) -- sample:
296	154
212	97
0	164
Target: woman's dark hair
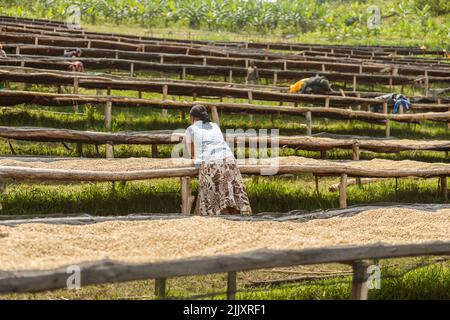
199	111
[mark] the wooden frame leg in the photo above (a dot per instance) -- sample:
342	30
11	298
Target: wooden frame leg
154	151
231	285
187	200
359	281
2	190
444	188
343	191
160	288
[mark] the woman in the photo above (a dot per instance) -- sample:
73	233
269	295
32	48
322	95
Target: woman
221	189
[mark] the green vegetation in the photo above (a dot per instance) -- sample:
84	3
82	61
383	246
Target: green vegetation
413	22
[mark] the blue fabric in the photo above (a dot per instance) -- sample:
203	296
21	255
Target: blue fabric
401	102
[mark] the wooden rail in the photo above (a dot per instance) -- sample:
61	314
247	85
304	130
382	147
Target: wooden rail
107	271
186	89
275	166
169	137
83	41
182	58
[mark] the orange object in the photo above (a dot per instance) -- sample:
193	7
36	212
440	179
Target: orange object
296	87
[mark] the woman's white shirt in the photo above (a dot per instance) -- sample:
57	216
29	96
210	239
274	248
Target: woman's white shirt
209	144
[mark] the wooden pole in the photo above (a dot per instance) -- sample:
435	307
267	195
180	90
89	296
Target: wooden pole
2	190
160	288
275	78
154	151
215	114
231	285
250	101
108	126
356	154
343	191
388	128
354	83
132	70
75	91
187	199
444	188
359	282
230	76
165	90
308	123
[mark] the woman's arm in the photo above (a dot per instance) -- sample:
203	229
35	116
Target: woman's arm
190	145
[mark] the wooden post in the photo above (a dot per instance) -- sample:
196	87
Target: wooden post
108	126
2	189
388	128
359	282
161	59
204	61
80	150
356	154
132	70
186	196
231	285
250	101
230	76
444	188
275	78
343	191
154	151
75	91
385	107
183	73
427	84
165	90
285	65
160	288
214	114
308	123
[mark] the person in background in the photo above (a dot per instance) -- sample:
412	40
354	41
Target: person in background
395	99
313	85
76	66
2	52
221	188
73	54
252	74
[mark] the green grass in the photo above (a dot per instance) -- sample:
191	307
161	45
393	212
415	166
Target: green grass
267	194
